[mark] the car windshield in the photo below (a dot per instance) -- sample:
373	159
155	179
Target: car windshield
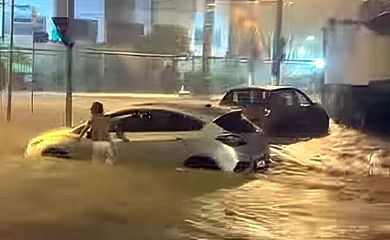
235	122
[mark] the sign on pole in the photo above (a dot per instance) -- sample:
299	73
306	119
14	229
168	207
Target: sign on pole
62	24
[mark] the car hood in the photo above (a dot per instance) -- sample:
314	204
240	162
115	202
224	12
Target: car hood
53	138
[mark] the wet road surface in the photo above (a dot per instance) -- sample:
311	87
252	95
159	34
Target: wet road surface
336	187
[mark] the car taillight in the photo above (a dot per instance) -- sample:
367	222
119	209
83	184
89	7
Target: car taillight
233	140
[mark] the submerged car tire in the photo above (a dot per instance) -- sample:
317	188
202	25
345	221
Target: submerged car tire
323	126
200	162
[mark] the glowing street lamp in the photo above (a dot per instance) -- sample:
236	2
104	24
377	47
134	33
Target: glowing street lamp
311	38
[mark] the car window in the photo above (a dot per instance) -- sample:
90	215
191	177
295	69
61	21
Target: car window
245	97
150	121
159	121
227	99
302	99
236	123
284	98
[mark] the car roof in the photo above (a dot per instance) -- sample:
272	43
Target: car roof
206	114
264	88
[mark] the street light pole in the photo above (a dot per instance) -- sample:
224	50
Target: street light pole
69	88
10	62
278	45
33	20
207	41
2	20
69	85
2	85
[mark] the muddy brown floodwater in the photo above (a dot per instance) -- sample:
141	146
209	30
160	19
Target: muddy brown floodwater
336	187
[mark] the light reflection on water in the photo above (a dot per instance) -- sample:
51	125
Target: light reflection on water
286	207
325	188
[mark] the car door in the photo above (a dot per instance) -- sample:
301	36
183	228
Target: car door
309	117
283	109
155	139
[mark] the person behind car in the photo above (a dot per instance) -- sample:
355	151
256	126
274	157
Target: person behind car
103	149
169	80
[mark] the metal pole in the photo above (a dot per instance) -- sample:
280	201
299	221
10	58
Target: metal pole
231	33
1	64
68	104
207	40
2	20
33	19
10	62
277	52
33	76
3	85
69	67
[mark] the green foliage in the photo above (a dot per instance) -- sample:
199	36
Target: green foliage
22	62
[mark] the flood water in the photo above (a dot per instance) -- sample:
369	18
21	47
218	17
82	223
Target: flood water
336	187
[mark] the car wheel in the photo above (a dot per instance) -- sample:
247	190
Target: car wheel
199	162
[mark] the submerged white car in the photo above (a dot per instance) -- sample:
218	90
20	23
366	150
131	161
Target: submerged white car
228	142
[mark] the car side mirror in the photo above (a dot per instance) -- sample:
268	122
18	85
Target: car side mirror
315	104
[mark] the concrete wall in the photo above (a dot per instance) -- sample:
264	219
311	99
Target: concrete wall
120	10
379	67
178	12
356	55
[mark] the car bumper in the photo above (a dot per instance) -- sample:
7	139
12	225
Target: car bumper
253	164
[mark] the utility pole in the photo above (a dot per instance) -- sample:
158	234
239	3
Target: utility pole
10	63
33	20
2	82
207	41
278	44
69	87
62	25
2	20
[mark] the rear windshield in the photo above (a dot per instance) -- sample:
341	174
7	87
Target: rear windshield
236	122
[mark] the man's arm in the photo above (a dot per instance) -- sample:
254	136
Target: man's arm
85	129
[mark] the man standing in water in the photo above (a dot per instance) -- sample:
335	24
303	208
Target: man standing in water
104	151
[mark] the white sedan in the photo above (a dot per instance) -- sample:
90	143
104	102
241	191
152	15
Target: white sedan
228	142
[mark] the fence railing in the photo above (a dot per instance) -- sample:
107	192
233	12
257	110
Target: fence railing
119	71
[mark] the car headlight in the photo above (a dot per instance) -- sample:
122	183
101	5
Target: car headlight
35	142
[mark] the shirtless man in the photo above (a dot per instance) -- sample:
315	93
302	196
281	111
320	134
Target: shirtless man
103	148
